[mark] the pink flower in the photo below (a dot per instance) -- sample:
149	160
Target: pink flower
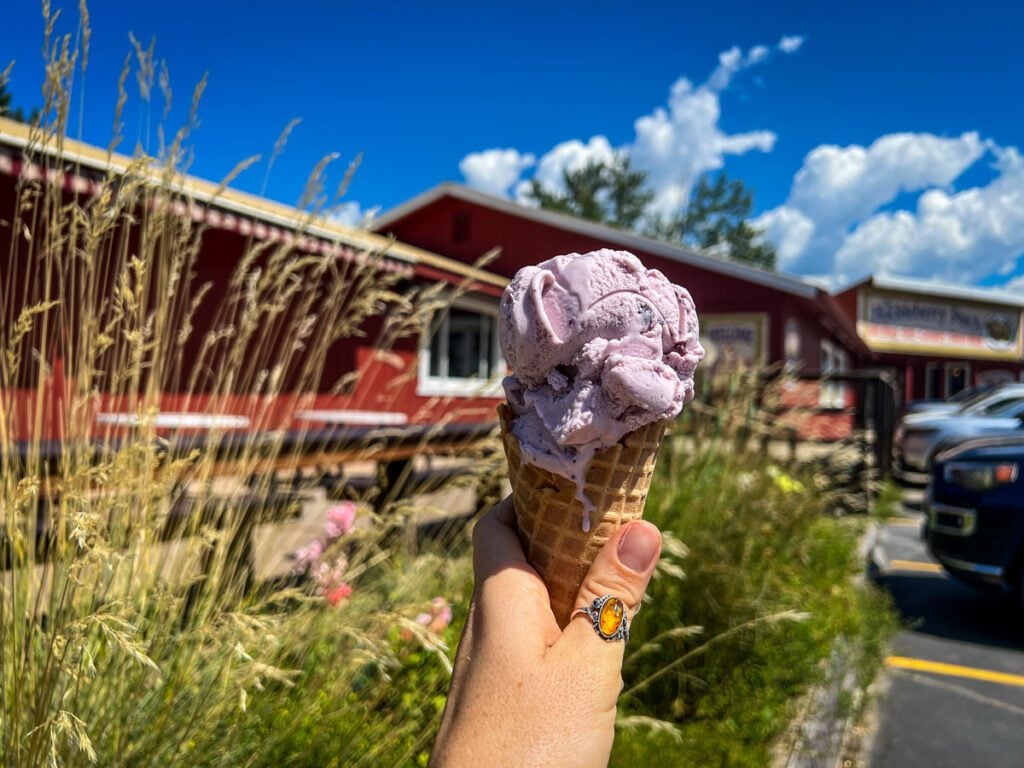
329	575
340	519
309	556
442	620
439	616
336	594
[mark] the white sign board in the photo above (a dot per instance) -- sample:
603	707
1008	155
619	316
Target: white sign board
898	323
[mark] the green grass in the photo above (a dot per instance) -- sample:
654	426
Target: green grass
758	548
888	502
372	684
107	657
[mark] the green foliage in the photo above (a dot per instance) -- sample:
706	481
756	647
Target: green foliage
7	100
769	589
373	682
717	217
122	649
612	194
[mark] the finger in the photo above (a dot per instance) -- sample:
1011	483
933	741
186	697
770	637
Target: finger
496	541
511	601
623	569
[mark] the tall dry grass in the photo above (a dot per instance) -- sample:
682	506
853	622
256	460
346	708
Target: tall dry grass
121	644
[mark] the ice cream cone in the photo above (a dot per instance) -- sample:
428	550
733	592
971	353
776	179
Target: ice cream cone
550	517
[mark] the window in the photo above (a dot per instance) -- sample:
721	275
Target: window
463	356
958	376
833	360
460	227
932	381
999	407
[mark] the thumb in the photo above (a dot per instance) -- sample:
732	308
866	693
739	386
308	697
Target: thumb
622	569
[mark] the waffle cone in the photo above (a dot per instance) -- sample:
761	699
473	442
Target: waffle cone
550	517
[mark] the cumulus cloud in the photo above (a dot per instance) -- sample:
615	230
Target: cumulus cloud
790	43
679	144
961	236
495	170
1016	284
351	214
572	155
788	230
841	185
675	143
838	189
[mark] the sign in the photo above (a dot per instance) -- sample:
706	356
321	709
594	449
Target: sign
733	338
932	326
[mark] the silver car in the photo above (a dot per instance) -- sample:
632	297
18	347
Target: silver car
916	438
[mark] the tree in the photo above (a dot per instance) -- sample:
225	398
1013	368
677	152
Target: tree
6	98
717	218
610	193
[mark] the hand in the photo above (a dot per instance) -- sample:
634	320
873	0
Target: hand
524	692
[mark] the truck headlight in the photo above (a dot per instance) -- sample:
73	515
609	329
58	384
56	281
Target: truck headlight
981	476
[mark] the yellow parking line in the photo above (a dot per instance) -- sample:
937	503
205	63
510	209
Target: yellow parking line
904	522
914	565
954	670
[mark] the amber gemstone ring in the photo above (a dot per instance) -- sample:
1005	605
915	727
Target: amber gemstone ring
607	614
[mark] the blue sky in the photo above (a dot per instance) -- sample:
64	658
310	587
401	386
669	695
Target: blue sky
877	136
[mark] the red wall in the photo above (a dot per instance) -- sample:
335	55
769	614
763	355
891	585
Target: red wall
387	382
464	231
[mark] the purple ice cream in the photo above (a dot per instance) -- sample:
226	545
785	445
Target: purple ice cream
598	346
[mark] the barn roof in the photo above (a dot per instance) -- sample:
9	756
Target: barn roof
84	169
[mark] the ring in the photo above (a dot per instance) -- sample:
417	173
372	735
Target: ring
607	614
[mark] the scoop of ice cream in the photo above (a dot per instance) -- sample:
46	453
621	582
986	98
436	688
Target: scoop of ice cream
598	346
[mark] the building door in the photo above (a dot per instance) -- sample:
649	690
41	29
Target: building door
958	376
932	382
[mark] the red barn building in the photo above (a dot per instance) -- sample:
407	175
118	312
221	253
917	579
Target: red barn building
747	314
393	389
938	339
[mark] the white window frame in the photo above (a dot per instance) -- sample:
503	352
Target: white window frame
457	386
947	376
834	359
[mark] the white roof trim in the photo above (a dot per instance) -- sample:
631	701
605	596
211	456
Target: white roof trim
786	283
946	290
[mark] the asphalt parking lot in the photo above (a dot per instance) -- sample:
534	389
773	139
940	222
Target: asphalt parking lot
954	690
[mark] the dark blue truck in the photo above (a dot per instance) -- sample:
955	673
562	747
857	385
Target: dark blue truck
975	512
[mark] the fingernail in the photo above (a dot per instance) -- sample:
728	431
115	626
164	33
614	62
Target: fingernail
639	546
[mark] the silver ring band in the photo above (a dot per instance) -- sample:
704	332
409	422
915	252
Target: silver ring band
607	614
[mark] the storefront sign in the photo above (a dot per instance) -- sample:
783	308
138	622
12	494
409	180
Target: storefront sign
732	339
897	323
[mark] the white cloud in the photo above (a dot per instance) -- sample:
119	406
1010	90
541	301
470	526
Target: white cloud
788	230
351	214
962	236
572	155
1016	284
841	185
675	144
791	43
757	53
839	188
495	170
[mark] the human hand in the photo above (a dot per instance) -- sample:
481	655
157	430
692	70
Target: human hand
524	692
